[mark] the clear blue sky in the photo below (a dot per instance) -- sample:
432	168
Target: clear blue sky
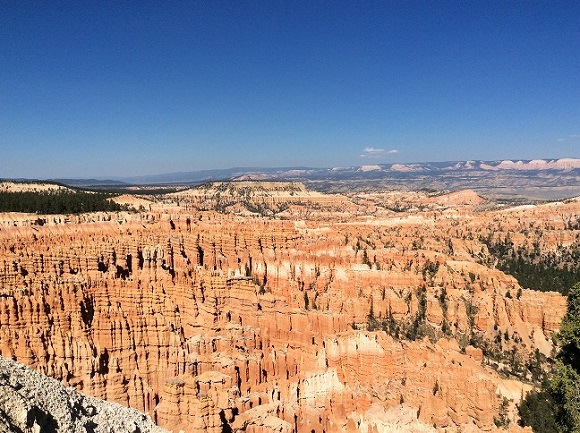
115	88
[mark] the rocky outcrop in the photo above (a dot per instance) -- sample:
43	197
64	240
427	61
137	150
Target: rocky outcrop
32	402
344	315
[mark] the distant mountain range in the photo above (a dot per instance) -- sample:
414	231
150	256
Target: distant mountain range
538	179
569	166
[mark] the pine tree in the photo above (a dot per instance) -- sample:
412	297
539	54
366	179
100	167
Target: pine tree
556	407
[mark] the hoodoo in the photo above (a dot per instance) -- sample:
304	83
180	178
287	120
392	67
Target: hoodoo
280	314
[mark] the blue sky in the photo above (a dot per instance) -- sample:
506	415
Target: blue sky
104	89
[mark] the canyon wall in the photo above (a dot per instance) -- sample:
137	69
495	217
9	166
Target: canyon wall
312	323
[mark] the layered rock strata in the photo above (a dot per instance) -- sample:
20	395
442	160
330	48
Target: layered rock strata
211	321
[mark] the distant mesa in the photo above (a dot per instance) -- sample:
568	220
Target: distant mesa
370	168
249	187
538	179
305	174
564	164
12	186
407	167
541	164
374	170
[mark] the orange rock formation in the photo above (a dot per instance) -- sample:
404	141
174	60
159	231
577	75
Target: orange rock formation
215	321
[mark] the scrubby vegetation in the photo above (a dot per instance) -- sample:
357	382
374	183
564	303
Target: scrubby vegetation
57	202
555	407
413	329
535	269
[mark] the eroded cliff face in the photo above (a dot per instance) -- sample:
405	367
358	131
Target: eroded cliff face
212	322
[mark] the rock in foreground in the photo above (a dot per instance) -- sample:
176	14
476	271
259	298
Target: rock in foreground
32	402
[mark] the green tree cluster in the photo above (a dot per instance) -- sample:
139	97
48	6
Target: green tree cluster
535	269
57	202
556	407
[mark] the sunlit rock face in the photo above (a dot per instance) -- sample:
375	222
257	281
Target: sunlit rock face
309	312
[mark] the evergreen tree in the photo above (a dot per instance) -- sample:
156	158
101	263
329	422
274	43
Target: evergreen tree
569	335
565	383
557	406
57	202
